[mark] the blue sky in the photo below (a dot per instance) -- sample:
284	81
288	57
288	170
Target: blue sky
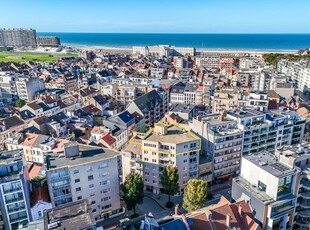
158	16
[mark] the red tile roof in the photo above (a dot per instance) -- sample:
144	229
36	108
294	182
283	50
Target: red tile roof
108	139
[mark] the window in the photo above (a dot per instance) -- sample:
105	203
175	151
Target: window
89	169
76	171
94	210
79	198
78	189
91	177
106	198
261	186
107	190
105	182
39	214
102	165
154	160
91	186
93	202
103	174
77	180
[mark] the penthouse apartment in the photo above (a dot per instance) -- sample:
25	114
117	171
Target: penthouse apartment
14	192
82	172
165	145
270	188
221	141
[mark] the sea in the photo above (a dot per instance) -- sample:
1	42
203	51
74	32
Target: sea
270	42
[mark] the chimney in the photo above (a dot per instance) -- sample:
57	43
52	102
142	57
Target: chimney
240	210
228	221
176	210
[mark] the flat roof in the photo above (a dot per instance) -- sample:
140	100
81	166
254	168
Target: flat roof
71	216
175	135
87	154
182	108
246	113
269	164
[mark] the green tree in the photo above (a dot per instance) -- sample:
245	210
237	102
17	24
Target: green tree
20	103
195	194
133	190
170	182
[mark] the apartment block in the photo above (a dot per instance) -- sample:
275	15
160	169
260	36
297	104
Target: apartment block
221	141
265	131
8	91
14	192
298	157
85	172
270	188
152	106
48	41
28	87
18	37
166	144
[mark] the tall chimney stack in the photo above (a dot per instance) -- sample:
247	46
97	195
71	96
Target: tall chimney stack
228	221
240	210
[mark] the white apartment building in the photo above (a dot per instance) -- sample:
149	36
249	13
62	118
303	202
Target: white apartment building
14	192
83	172
221	141
27	87
266	131
165	145
270	188
298	71
8	91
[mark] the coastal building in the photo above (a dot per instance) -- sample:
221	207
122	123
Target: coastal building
165	144
208	61
270	188
229	99
14	192
28	87
85	172
49	41
298	157
163	50
221	142
18	38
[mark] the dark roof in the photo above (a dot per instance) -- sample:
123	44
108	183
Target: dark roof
126	117
34	105
26	114
148	100
101	100
41	120
11	122
177	89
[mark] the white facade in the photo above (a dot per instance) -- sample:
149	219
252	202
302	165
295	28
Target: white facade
38	209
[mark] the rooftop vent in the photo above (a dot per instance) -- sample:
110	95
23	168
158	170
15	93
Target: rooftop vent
262	163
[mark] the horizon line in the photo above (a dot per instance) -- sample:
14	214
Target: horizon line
198	33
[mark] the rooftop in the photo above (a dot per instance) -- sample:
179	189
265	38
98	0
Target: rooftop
175	134
270	164
245	113
72	216
87	153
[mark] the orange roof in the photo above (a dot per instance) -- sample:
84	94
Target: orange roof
108	139
34	171
59	147
29	139
200	88
96	130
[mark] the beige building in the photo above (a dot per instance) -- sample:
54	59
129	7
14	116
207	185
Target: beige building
228	99
165	144
83	172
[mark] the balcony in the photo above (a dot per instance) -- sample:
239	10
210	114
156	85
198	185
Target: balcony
305	204
304	213
5	191
15	199
305	195
303	223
